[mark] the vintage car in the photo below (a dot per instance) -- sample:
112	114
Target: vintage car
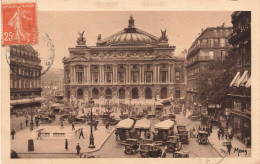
147	141
124	116
45	120
77	120
94	122
194	118
150	151
173	144
183	134
131	146
172	116
52	116
179	154
202	137
64	117
150	116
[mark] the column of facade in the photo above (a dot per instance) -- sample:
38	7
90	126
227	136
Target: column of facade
169	74
88	75
101	74
173	74
85	75
143	75
72	74
74	70
116	73
154	73
158	73
140	74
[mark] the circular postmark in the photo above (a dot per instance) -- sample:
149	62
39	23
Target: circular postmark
31	61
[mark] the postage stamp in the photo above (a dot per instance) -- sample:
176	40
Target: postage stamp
19	23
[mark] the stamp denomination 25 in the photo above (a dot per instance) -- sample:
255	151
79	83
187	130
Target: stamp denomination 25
19	23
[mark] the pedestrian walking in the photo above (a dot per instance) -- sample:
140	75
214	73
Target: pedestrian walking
78	149
39	135
66	145
81	134
13	133
219	134
229	147
226	133
26	122
73	126
61	125
21	124
222	134
96	126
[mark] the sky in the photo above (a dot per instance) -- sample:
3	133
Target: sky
182	27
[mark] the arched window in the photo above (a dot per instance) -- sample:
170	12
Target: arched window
95	93
121	93
135	94
108	93
148	93
80	94
164	93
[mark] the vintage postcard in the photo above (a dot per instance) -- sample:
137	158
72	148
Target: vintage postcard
122	81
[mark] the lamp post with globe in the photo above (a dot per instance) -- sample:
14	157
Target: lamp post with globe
91	138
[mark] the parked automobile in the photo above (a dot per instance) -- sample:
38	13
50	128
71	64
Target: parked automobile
77	120
202	137
183	134
52	116
45	120
64	117
124	116
150	151
131	146
173	143
147	141
179	154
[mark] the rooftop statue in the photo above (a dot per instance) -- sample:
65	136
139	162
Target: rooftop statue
164	36
99	37
81	40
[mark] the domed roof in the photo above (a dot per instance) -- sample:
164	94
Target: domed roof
130	36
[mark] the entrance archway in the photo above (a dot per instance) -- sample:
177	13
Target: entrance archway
108	93
95	93
148	93
164	93
80	93
135	94
121	93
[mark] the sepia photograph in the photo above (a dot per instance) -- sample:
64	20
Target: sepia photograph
127	84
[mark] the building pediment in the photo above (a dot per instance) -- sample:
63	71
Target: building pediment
79	58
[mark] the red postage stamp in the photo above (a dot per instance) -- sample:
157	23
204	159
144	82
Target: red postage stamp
19	23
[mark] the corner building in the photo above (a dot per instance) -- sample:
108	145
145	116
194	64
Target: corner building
131	64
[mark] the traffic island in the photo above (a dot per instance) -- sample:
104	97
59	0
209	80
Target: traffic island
53	138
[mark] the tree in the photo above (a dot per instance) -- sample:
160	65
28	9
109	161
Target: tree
213	83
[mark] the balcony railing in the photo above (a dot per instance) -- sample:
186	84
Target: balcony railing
239	32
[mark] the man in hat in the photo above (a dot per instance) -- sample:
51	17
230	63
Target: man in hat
78	149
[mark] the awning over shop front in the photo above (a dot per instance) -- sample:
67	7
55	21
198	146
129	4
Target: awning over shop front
143	124
214	106
167	124
26	101
235	80
125	124
248	83
242	81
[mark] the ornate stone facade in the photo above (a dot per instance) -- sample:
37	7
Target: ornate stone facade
131	64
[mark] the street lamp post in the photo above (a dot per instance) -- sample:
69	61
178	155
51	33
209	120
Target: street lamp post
91	138
31	123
